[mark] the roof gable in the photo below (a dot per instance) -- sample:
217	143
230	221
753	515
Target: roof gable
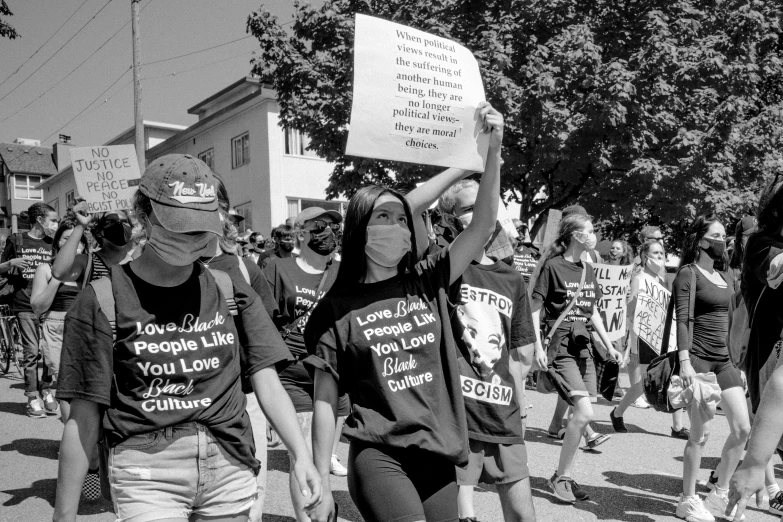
27	159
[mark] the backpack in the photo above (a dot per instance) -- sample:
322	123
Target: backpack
659	372
740	323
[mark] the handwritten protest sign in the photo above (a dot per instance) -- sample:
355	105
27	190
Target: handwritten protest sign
614	281
649	319
106	177
414	98
502	245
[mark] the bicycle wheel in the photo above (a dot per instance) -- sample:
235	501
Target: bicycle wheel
5	357
16	347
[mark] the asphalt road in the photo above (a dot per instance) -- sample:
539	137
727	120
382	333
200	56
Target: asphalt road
634	477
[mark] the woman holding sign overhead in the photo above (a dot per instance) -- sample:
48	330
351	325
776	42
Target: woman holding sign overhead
652	257
382	335
568	292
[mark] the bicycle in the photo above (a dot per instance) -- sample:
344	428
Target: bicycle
10	347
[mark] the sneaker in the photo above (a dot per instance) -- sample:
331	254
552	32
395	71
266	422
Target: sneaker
596	440
35	408
716	503
776	504
617	422
337	469
712	482
640	403
683	433
692	510
468	519
50	404
560	435
91	489
565	488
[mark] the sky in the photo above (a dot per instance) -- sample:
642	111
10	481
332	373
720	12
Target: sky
93	102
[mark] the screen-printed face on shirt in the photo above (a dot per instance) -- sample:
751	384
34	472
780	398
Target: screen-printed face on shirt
483	335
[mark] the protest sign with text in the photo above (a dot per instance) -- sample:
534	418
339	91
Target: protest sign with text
614	281
649	321
414	98
106	177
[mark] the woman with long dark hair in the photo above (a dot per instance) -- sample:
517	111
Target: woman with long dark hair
705	351
382	335
21	257
570	353
762	272
652	256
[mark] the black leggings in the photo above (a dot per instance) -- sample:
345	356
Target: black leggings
401	485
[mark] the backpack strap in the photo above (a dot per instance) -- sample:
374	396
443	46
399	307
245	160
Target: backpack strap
243	269
223	281
18	242
105	296
87	275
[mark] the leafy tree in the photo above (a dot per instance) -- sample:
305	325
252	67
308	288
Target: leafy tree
647	110
6	30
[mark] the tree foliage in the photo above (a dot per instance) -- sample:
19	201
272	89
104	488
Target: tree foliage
640	110
6	30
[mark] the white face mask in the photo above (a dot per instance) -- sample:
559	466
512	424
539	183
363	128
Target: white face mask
465	219
588	240
50	227
654	265
387	244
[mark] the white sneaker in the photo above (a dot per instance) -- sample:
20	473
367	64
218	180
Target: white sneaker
640	403
716	503
337	469
692	510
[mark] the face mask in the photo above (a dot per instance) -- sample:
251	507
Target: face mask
654	265
118	233
288	246
322	244
50	227
387	244
465	220
179	249
589	240
716	248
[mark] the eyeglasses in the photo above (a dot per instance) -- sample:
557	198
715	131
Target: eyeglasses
319	226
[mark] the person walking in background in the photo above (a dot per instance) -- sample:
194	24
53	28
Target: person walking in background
640	354
526	256
284	237
701	344
568	293
21	257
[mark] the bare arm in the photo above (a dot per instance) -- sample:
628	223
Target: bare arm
324	419
280	412
44	288
422	197
467	246
80	437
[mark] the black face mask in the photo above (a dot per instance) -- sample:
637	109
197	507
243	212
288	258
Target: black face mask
118	233
323	244
716	249
286	245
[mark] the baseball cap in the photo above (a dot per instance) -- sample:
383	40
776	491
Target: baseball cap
574	209
183	194
312	213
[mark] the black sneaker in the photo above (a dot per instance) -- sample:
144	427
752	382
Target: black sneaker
776	504
712	482
683	433
617	422
91	489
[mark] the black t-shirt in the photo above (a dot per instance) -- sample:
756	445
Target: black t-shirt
176	358
36	251
294	292
387	347
492	317
525	260
710	317
230	265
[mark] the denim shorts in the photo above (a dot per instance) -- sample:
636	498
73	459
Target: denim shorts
177	472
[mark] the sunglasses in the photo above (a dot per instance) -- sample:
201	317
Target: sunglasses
319	226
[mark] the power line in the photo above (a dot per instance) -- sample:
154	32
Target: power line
90	104
57	51
196	52
197	67
43	44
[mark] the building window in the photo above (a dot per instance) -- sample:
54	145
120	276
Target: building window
245	211
296	205
24	187
70	199
55	204
296	143
240	150
208	157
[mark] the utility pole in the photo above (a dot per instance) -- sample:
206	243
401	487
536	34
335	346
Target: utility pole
137	118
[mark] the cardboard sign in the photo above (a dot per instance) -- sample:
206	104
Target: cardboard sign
414	98
502	245
614	281
649	319
548	233
106	177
